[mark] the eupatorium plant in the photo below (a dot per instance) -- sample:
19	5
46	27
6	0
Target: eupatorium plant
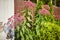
44	26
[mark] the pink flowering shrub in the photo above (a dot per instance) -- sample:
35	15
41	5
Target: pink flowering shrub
30	4
57	17
44	11
21	5
15	19
18	18
10	22
42	27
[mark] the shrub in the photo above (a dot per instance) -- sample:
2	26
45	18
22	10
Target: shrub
44	27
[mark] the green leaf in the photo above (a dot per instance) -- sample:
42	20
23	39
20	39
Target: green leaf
28	24
29	13
29	19
18	28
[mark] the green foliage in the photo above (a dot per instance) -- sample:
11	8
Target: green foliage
44	27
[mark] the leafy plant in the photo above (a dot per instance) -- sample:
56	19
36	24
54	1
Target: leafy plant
44	26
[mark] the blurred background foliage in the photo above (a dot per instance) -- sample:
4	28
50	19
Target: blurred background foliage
55	2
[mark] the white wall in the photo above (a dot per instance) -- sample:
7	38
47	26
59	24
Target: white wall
6	9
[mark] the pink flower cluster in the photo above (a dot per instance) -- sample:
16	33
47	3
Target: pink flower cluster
10	22
44	12
30	4
57	16
17	18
